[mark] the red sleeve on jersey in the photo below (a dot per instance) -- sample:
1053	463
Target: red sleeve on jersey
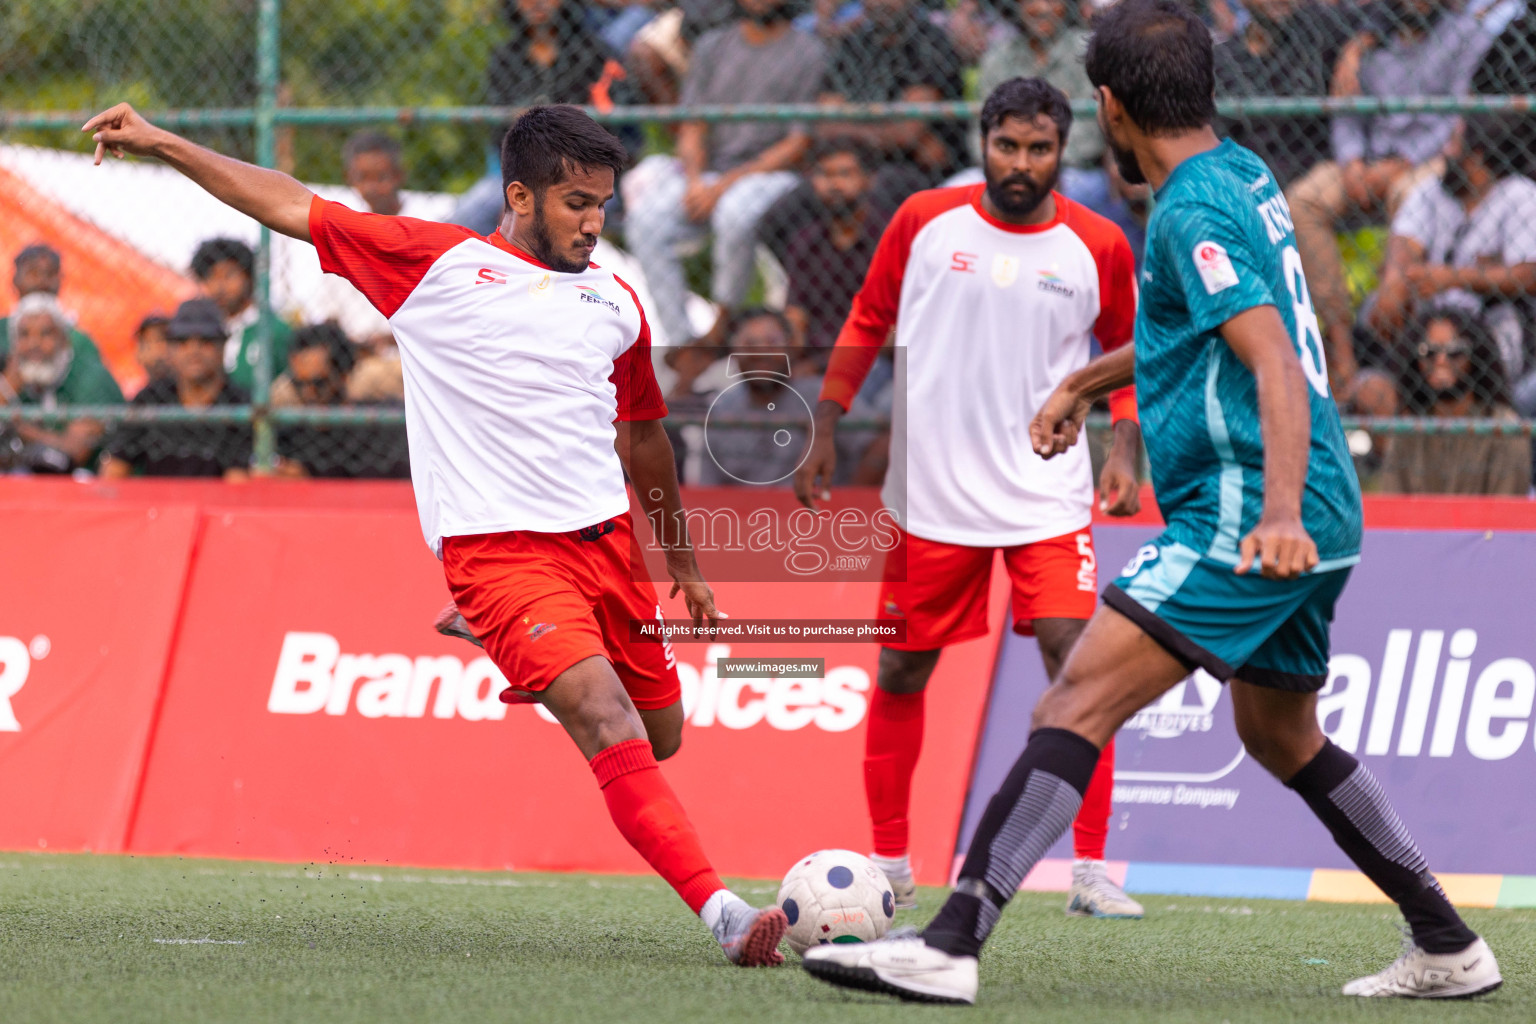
1117	292
385	257
633	377
874	309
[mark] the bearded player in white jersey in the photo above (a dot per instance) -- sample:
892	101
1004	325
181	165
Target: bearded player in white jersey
994	292
528	395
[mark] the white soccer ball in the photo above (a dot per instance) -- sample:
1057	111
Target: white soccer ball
835	896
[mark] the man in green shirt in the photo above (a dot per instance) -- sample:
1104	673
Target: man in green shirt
225	269
38	269
43	369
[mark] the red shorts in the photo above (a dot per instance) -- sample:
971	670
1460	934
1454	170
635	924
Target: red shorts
943	599
541	602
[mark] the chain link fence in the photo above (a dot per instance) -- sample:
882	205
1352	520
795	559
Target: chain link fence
770	144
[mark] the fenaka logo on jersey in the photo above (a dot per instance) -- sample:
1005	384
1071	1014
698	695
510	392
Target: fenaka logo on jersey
489	276
1050	282
590	294
1215	267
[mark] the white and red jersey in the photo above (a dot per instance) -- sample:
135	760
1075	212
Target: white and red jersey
989	318
514	373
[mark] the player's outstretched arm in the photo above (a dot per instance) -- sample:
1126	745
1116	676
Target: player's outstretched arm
271	197
1055	427
1279	545
648	458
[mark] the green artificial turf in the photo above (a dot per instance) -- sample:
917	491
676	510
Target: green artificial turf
78	943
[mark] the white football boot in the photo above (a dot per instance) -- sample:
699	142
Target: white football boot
1421	975
901	964
1094	894
749	935
898	871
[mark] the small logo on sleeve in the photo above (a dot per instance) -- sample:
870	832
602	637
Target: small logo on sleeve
590	294
1215	267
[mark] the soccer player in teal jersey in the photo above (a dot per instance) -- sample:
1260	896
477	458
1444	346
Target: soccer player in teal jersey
1263	512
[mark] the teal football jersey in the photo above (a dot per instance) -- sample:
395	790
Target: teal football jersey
1220	241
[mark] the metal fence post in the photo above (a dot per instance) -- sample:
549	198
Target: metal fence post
268	44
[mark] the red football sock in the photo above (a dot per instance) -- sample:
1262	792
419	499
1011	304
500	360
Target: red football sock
891	745
650	816
1091	828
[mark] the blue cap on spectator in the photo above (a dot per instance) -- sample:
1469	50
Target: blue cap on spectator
197	318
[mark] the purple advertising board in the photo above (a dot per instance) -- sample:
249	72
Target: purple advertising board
1431	684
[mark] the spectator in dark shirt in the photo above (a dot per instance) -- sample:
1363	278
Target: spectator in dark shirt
769	396
550	57
1288	48
152	350
318	363
896	56
196	335
1456	373
890	53
826	259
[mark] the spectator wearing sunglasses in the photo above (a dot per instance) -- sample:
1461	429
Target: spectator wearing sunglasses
320	359
195	337
1455	373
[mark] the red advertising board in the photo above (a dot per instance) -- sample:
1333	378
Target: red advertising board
312	714
89	599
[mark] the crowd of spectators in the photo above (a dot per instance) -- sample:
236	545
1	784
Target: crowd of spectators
1417	229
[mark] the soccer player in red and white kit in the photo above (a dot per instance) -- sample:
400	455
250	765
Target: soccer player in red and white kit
995	291
519	356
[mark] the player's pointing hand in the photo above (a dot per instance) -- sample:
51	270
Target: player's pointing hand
1280	549
120	131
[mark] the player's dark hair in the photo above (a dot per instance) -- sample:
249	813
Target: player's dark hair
220	250
839	145
1156	57
1485	371
329	337
370	142
1027	99
548	144
38	251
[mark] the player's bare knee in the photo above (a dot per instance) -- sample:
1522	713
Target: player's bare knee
905	671
667	744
